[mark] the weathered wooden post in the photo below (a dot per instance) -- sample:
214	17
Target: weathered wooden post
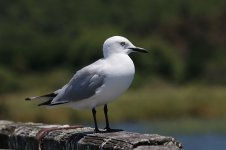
34	136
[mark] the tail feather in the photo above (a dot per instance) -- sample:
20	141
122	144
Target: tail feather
43	97
47	98
30	98
46	103
49	103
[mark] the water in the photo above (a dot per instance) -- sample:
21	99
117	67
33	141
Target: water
197	140
203	141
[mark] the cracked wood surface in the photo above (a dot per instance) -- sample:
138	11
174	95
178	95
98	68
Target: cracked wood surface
27	136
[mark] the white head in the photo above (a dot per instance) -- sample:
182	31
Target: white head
119	44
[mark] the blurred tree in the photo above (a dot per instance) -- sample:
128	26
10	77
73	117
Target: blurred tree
186	37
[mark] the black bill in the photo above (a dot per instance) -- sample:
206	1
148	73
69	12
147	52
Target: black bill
138	49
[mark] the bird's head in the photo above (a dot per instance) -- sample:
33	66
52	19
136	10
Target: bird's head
119	44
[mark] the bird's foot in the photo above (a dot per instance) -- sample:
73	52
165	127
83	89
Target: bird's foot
112	130
96	130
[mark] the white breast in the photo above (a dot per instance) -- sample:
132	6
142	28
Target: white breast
119	72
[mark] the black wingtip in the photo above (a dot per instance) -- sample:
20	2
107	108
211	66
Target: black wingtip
45	103
27	99
48	103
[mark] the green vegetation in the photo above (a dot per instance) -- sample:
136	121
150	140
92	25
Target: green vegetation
150	102
186	37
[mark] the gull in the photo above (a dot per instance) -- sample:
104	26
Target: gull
98	83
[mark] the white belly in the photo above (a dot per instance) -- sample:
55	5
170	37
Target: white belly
118	79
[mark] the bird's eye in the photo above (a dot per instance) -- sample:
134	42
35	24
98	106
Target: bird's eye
122	43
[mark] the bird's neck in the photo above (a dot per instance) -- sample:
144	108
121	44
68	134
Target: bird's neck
121	62
119	59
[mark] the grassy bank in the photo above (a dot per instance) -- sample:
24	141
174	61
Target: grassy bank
147	103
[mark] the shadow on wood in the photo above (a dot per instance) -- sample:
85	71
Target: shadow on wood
27	136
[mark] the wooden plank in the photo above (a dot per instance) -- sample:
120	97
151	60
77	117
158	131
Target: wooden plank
26	136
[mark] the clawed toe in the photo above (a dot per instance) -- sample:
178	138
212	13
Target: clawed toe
96	130
112	130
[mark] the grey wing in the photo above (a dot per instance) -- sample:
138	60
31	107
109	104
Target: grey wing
83	85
